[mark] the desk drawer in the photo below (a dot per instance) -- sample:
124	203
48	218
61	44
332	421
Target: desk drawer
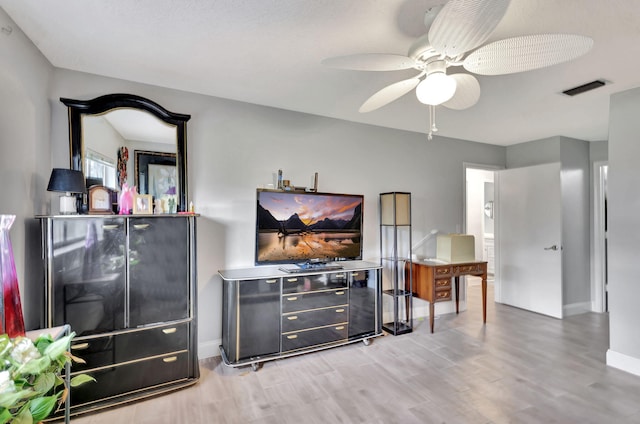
442	295
441	271
443	284
470	269
318	336
317	300
312	319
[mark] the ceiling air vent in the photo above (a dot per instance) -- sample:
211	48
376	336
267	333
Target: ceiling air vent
584	87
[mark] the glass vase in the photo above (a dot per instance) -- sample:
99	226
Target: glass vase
12	319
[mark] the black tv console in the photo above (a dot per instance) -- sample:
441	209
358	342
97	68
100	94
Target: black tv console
269	313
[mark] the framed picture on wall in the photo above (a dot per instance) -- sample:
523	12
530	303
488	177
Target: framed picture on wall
142	204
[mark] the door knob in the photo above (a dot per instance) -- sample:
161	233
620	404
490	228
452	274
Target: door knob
554	247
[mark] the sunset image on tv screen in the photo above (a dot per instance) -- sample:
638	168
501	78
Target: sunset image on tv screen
298	227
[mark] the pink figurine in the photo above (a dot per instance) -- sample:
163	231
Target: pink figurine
126	199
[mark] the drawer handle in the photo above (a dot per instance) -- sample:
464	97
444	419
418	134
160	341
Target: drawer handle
141	226
292	318
271	281
292	336
292	280
110	226
339	292
340	275
80	346
170	359
443	294
340	327
169	330
292	298
355	274
339	310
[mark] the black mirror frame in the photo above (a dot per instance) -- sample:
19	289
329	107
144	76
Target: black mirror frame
103	104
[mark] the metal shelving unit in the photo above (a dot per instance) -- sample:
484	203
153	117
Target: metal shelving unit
395	254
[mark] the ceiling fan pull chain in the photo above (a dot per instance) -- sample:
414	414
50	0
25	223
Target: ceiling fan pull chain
432	122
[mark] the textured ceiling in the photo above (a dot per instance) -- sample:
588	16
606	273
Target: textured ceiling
268	52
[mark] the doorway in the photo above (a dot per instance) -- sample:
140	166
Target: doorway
479	218
599	292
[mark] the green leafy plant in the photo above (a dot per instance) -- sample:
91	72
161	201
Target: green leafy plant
31	380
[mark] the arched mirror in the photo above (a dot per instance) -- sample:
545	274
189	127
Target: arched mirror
120	138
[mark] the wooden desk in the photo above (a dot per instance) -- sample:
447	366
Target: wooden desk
432	282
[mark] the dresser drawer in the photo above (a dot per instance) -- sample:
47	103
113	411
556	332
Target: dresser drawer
152	342
316	300
316	318
117	380
314	282
317	336
113	349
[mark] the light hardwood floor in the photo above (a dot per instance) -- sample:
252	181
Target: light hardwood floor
519	368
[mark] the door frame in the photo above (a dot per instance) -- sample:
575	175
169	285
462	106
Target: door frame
484	167
598	252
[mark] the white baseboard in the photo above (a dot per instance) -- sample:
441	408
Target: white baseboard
209	349
576	309
623	362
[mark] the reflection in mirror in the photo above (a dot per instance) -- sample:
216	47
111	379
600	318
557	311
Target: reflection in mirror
105	134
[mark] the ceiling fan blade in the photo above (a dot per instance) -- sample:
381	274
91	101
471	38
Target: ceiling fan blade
463	25
389	94
370	62
467	92
526	53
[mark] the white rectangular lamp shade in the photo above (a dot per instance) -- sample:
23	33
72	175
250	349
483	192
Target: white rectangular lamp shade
395	208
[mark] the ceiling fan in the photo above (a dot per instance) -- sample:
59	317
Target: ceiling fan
455	37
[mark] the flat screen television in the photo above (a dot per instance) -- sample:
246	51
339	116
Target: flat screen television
307	228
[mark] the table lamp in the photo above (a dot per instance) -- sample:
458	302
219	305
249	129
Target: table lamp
67	181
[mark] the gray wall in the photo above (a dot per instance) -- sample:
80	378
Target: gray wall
624	230
24	147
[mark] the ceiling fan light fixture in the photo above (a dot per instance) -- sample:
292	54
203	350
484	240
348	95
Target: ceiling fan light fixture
436	88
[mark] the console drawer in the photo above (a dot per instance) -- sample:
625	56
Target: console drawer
316	300
314	282
317	336
312	319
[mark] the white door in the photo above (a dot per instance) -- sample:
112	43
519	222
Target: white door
529	219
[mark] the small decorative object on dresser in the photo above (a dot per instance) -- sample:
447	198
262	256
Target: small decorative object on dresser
143	203
99	200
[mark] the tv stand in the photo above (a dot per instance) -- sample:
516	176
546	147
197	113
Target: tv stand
271	314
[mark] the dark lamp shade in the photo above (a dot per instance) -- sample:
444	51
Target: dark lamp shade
66	180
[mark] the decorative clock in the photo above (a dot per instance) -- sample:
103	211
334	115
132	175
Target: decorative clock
99	200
